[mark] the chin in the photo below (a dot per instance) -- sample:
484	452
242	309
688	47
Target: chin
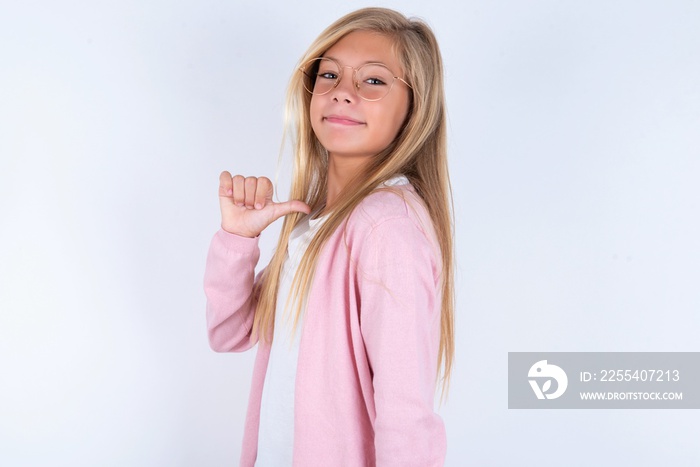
344	148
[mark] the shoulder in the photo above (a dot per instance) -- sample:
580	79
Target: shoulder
387	204
397	211
383	204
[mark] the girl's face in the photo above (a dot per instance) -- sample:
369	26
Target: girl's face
344	123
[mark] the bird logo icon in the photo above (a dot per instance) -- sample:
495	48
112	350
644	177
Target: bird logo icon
542	371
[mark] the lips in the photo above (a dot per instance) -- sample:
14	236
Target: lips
342	120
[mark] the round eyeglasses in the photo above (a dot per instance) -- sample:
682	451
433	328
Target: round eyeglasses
372	81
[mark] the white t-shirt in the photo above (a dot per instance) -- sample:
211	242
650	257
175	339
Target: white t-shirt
276	432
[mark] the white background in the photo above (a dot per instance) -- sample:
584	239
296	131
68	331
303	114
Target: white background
574	150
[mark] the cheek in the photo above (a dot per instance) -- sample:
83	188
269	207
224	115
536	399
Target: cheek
315	114
315	108
397	117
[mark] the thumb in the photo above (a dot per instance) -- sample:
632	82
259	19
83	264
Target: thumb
288	207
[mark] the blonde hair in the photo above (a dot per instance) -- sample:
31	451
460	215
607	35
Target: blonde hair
419	152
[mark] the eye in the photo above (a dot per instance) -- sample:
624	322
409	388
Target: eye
374	81
327	75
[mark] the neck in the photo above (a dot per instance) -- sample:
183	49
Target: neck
341	171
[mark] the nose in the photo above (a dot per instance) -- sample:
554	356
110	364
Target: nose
345	89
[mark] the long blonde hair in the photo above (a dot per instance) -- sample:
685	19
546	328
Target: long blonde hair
419	152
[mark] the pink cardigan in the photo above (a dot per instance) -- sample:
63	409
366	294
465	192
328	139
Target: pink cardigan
368	351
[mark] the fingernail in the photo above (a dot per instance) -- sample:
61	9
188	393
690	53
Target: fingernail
258	206
229	192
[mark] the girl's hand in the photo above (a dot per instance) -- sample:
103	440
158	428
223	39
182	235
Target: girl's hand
247	206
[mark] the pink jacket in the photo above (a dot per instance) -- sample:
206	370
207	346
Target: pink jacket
368	351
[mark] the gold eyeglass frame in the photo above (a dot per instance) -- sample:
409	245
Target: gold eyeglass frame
355	81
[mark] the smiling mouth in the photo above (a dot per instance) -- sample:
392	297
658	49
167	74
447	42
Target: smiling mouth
340	120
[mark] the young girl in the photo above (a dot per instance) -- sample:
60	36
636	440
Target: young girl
353	316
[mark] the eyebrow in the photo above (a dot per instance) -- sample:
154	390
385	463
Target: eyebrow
364	63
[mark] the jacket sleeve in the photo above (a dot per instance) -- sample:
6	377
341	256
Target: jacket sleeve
398	280
229	278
